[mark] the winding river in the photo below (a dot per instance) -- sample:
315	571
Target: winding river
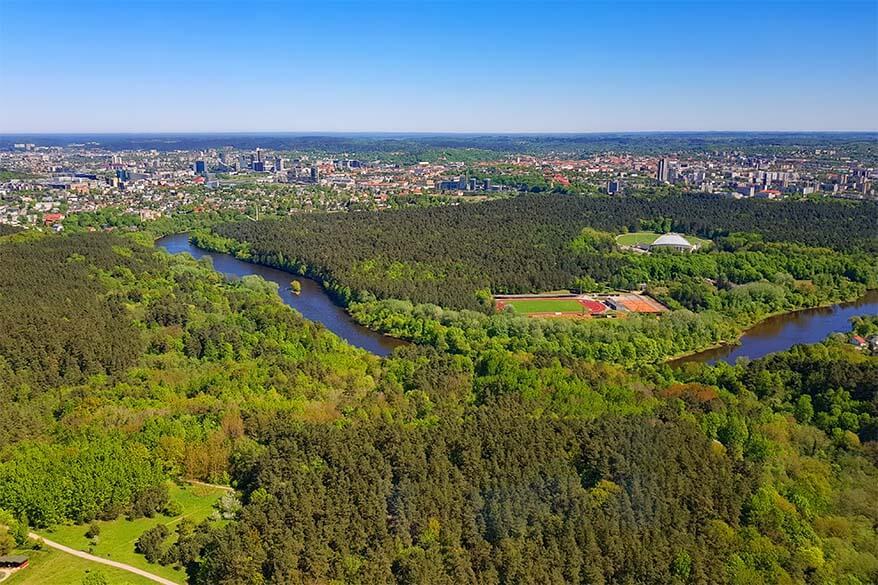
312	302
774	334
784	331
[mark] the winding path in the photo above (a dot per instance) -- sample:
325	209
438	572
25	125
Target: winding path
88	557
225	488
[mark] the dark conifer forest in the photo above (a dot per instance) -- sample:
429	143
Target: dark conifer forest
446	255
495	449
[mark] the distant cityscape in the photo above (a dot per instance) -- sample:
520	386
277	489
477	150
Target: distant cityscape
40	185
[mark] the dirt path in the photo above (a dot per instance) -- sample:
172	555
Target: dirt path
211	485
88	557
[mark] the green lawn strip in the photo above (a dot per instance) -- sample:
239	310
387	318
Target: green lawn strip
117	537
528	306
634	238
53	567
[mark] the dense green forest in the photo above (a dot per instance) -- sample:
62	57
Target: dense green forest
121	367
446	255
6	229
427	275
517	462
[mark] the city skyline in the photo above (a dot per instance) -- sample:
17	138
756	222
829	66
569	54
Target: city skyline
443	67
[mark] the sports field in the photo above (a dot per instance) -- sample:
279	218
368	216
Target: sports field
529	306
646	238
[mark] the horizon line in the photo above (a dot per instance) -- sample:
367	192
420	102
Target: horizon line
429	132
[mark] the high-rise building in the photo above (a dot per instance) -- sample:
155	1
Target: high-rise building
243	163
200	167
315	175
259	166
258	155
278	164
486	184
614	187
663	171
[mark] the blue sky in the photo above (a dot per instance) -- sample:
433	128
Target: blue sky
164	66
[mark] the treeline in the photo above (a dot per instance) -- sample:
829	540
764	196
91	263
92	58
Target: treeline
427	275
447	255
114	218
866	325
121	367
723	479
59	323
416	148
6	229
96	477
499	497
823	387
629	342
503	454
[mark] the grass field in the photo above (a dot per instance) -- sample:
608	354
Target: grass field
634	238
528	306
52	567
117	537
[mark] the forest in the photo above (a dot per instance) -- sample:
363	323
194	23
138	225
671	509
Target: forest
415	147
507	458
428	275
447	255
114	372
6	229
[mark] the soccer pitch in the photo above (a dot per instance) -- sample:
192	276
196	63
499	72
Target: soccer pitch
529	306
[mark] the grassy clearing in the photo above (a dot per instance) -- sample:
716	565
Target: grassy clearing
117	537
635	238
528	306
53	567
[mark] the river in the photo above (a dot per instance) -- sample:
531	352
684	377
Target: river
313	302
781	332
771	335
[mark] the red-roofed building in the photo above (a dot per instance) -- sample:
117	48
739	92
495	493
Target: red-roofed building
52	218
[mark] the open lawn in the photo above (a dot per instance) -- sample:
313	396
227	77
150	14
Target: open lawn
528	306
117	537
635	238
53	567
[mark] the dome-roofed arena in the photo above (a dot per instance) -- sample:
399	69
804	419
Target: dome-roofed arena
672	242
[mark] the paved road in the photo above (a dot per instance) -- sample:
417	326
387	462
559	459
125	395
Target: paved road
88	557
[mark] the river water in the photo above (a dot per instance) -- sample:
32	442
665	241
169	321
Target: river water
772	335
313	302
781	332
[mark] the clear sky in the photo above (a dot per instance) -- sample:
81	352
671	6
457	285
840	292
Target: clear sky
164	66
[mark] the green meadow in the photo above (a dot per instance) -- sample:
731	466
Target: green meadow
117	537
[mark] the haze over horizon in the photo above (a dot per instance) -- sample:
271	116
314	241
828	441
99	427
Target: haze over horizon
487	67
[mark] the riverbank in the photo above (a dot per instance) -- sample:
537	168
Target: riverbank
782	330
313	302
768	334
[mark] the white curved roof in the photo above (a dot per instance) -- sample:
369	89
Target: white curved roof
671	240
